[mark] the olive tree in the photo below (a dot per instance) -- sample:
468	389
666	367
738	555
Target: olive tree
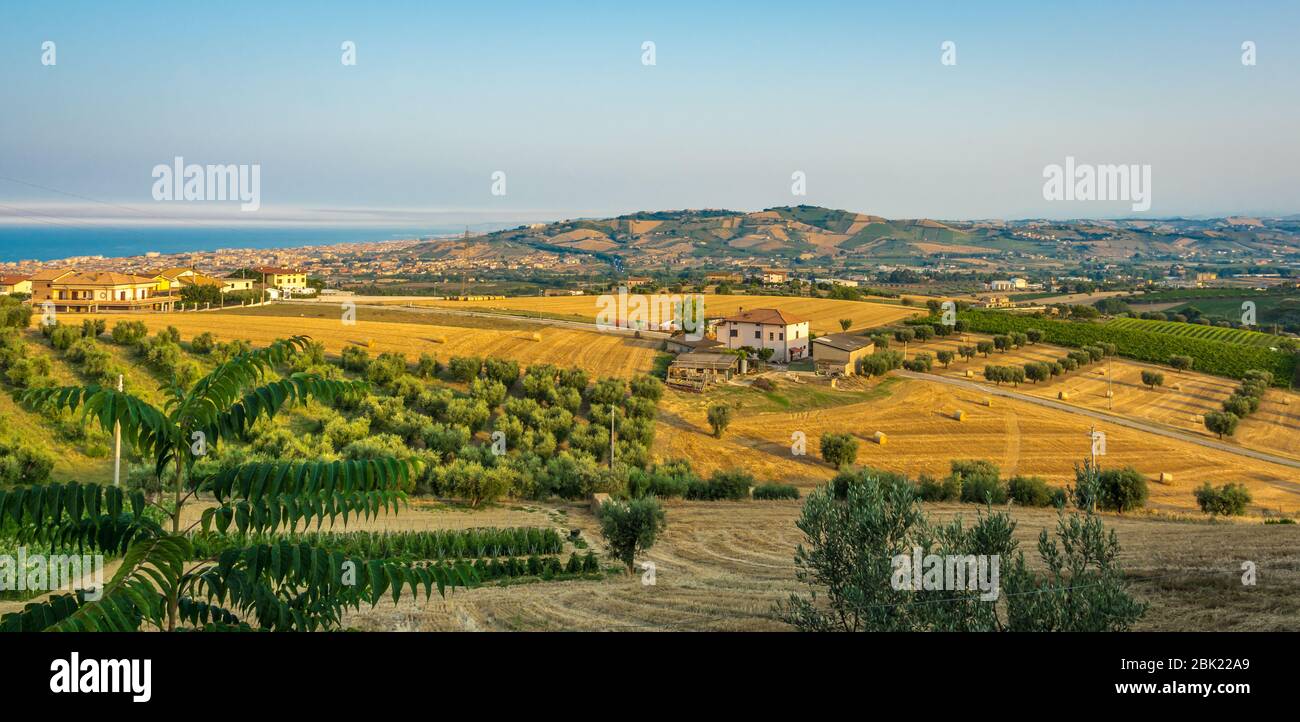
271	584
630	527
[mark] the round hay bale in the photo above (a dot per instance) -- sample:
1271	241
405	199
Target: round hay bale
880	438
537	336
988	402
970	373
1166	477
959	415
1063	395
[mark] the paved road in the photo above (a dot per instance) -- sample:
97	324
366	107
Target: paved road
1108	418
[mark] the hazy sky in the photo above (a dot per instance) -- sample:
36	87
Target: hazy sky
742	95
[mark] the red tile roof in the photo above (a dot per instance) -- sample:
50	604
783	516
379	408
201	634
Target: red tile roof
770	316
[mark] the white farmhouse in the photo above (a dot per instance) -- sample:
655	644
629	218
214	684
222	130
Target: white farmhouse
762	328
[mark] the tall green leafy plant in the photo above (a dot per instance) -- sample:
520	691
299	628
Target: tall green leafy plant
274	584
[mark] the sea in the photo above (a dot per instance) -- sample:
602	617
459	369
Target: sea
47	243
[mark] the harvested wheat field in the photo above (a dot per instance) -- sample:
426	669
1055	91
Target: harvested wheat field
922	435
413	334
724	565
823	315
1181	403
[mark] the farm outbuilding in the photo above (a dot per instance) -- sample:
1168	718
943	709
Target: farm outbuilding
837	354
695	371
680	343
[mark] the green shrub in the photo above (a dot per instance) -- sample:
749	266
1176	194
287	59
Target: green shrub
355	359
980	481
647	387
929	488
719	416
1029	491
665	480
13	314
62	337
23	463
866	475
607	391
839	450
729	485
428	366
1116	489
203	343
386	369
852	586
503	371
776	491
1227	500
464	368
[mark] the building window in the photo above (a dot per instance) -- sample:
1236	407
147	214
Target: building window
734	333
781	336
758	335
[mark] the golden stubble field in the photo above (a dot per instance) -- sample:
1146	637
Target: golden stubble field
917	417
823	315
923	436
724	565
414	334
1181	403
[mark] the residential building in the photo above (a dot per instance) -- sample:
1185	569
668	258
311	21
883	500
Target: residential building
1013	284
837	282
291	280
235	283
763	328
837	354
15	284
995	302
723	278
773	276
93	291
176	279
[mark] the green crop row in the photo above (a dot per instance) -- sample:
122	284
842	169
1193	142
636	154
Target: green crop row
1238	336
1211	357
415	545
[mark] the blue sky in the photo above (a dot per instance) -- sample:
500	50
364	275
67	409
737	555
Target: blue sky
742	95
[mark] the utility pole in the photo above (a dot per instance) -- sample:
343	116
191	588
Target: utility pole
1110	385
117	444
1092	445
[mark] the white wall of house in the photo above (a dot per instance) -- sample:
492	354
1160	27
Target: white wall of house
788	343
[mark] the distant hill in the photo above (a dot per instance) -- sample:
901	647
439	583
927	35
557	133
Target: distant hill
813	233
